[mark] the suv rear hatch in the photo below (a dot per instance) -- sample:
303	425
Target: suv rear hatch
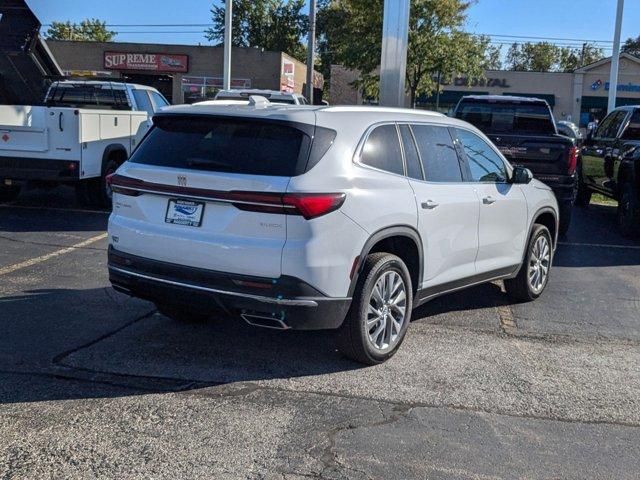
207	192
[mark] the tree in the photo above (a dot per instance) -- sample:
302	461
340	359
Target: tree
574	58
533	57
632	46
89	30
492	57
351	31
547	57
277	25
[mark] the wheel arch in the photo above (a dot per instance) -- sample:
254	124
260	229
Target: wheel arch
549	218
115	151
395	236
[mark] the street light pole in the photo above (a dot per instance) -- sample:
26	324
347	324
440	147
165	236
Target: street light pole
393	64
228	35
311	49
615	59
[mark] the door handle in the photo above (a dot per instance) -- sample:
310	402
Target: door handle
60	122
488	200
429	205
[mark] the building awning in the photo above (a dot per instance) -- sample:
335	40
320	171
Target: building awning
590	101
551	99
446	97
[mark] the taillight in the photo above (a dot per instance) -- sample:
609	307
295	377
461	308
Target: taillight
572	161
309	205
312	205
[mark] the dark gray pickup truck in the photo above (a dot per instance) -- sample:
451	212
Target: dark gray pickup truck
610	165
525	132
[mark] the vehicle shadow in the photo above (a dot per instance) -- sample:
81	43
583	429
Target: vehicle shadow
594	240
50	211
100	335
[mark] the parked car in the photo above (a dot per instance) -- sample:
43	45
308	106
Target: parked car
571	130
84	132
311	217
274	96
610	165
524	130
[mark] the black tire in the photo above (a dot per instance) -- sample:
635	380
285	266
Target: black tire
564	222
583	197
99	192
353	336
181	315
519	288
9	194
629	210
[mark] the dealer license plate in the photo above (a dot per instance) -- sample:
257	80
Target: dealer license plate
184	212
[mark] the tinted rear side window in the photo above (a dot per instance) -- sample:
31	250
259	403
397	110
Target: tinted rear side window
439	157
225	145
410	153
87	95
505	118
382	150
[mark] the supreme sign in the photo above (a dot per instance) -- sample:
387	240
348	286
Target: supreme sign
155	62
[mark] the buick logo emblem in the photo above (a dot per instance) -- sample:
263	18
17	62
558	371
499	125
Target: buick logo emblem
182	181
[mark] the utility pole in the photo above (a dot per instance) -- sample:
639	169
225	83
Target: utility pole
615	59
393	64
311	48
228	35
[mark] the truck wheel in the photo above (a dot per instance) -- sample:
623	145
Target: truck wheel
380	311
534	272
564	222
583	197
99	192
629	210
9	194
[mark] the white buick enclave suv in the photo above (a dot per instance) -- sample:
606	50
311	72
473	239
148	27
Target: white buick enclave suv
307	217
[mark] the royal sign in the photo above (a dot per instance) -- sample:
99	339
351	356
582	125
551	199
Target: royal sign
154	62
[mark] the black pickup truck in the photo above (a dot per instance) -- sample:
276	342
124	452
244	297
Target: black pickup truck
610	164
524	130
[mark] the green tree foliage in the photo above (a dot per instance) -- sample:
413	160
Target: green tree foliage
277	25
89	30
350	34
547	57
632	46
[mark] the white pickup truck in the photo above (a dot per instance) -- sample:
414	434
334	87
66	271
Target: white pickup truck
84	131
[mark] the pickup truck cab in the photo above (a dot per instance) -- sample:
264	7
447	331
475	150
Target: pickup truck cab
610	165
83	132
524	130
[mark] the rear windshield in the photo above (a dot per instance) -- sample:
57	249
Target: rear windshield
506	118
219	144
82	95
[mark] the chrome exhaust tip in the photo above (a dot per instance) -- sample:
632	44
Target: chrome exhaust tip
264	321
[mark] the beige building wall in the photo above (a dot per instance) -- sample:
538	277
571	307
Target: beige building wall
568	89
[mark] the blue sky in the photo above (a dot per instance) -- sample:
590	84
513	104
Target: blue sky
579	19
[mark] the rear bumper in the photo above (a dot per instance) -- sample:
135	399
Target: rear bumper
564	186
38	169
291	302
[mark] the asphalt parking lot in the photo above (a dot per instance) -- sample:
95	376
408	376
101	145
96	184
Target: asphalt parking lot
94	384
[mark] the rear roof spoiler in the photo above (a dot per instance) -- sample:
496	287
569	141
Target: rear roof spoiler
26	63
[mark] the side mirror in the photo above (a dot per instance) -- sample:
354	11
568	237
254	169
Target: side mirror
521	175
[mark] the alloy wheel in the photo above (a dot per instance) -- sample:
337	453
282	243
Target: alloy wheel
386	312
539	264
